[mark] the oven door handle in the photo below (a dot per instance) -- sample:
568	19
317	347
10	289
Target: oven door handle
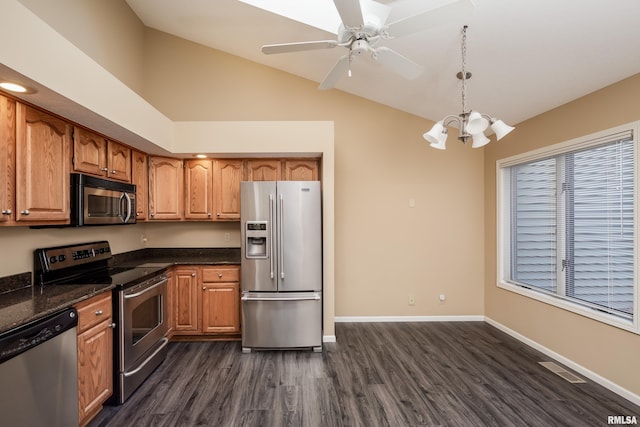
145	290
164	341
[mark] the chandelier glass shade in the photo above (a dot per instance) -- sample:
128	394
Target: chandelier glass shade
471	124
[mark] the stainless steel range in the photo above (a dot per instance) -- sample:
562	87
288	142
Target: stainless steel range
139	305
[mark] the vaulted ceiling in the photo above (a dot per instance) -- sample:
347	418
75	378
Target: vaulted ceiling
526	57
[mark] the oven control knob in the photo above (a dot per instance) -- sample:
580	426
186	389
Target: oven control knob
61	258
112	325
52	259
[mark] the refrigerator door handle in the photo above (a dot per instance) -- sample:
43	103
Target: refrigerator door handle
314	297
271	261
281	236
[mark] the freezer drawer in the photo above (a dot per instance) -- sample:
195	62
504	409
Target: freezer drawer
281	320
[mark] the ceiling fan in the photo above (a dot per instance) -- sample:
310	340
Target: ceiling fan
363	26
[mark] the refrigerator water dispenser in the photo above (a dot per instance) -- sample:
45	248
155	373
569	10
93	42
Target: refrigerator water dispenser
256	235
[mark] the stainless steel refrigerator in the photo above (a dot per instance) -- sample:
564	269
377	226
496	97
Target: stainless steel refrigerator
281	272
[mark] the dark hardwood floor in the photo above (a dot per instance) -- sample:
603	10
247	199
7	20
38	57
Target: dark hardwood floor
377	374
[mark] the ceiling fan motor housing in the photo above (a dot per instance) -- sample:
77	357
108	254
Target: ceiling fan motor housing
359	47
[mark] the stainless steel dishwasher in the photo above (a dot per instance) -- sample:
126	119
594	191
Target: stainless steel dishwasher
39	372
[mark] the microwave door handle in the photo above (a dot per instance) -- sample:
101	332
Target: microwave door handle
128	199
120	204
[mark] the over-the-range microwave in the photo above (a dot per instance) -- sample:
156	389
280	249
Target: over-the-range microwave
99	201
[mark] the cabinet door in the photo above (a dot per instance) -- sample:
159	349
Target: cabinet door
226	181
43	153
165	189
7	159
95	367
264	170
220	307
89	152
118	161
140	178
185	297
198	175
301	170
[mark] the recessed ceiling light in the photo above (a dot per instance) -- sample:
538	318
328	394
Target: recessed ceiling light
15	87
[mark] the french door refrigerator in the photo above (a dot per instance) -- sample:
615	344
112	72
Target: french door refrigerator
281	264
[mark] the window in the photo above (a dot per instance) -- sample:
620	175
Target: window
567	224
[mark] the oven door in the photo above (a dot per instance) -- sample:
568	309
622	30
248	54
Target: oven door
143	321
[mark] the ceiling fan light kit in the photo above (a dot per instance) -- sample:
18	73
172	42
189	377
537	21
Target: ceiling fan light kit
470	124
363	26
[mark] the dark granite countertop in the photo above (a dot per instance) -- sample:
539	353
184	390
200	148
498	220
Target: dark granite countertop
179	256
24	305
20	302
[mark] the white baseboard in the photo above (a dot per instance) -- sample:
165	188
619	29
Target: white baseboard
621	391
328	338
375	319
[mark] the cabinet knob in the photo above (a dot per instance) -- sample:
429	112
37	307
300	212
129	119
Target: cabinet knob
98	312
209	214
112	325
220	275
6	212
204	288
218	214
104	169
193	274
113	172
25	212
152	214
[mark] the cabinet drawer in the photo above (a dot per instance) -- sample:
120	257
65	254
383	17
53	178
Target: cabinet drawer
94	311
221	274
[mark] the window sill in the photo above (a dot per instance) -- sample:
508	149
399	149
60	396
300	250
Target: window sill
609	319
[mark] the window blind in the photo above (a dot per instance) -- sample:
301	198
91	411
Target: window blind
572	224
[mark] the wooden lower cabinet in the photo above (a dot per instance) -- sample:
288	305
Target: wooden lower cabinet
206	301
220	300
95	355
185	301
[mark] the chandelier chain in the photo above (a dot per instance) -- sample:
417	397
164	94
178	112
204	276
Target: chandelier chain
464	69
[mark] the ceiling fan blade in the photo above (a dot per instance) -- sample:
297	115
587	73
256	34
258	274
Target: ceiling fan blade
450	10
340	69
350	13
398	63
297	47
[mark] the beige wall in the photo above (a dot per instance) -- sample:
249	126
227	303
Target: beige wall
108	31
605	350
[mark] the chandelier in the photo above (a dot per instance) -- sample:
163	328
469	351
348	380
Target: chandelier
470	124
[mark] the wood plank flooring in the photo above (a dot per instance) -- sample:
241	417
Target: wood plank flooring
377	374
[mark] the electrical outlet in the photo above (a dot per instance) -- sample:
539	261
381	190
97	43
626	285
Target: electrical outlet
412	300
442	297
227	237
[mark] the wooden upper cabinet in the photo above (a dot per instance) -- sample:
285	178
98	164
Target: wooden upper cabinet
198	176
118	161
7	160
140	178
166	177
93	154
301	170
89	152
226	182
43	150
264	170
